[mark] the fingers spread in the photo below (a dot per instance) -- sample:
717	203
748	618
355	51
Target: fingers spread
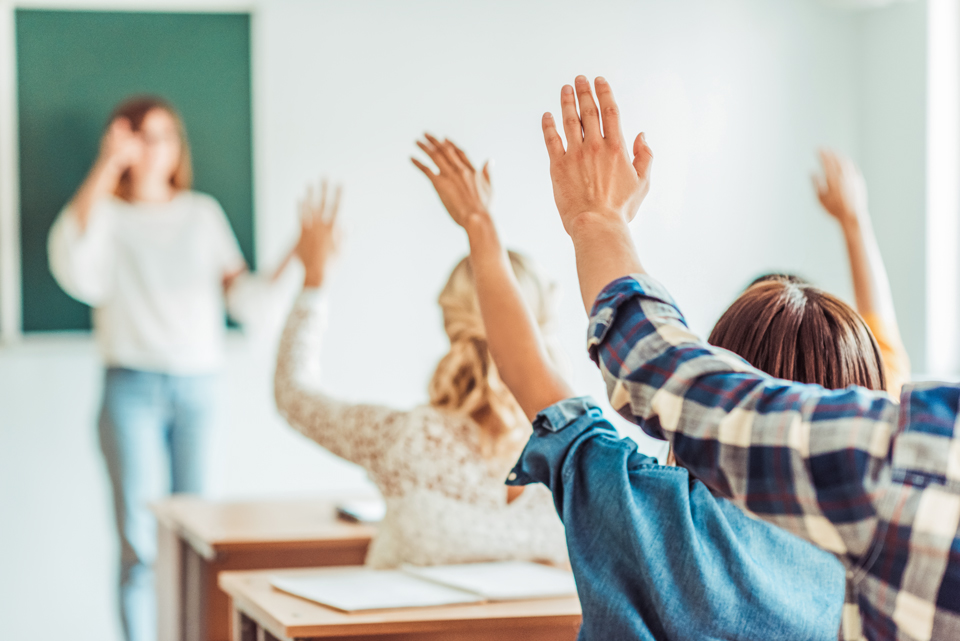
307	206
335	206
589	115
551	137
323	198
444	152
571	119
424	169
461	155
435	154
831	165
304	214
451	150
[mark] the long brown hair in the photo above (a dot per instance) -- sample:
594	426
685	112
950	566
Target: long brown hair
135	110
794	331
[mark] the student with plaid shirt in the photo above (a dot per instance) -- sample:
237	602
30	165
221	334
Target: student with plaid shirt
873	482
675	562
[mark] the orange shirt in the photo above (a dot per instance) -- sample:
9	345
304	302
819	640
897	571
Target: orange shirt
895	359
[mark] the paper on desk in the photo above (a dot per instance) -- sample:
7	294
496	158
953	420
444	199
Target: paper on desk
357	588
501	581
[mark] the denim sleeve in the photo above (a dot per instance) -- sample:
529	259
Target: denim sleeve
656	556
556	430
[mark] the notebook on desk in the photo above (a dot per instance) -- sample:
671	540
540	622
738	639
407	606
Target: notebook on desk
357	589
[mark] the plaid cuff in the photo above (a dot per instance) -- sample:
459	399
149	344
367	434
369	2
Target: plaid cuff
608	302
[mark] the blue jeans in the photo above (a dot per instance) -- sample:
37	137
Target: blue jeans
657	556
152	433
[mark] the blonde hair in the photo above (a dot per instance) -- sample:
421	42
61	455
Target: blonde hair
466	380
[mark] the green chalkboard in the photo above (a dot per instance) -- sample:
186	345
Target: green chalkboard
73	67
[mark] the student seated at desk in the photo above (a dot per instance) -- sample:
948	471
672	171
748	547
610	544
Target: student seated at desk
440	467
852	471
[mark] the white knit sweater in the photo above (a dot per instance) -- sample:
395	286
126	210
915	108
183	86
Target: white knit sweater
445	504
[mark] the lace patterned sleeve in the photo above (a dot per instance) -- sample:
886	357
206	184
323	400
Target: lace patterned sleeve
361	434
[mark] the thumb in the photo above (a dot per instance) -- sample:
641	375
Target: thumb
642	156
487	166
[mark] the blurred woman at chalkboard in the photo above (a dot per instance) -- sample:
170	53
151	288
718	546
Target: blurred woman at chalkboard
159	264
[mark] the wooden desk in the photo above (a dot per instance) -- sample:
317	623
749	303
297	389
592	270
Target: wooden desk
198	538
262	613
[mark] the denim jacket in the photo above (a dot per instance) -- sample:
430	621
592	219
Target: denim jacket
657	556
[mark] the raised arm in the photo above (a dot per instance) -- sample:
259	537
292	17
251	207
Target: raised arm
79	245
512	333
843	194
359	433
804	458
597	186
119	148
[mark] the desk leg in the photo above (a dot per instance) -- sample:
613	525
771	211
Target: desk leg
243	628
169	584
240	626
193	607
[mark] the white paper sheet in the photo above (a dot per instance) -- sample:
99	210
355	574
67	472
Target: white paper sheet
354	589
502	581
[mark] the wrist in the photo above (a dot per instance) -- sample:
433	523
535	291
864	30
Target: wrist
478	221
313	279
590	224
481	231
855	223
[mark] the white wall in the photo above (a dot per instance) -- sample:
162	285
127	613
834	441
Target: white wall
943	189
892	93
734	96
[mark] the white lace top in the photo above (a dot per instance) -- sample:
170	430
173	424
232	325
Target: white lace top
444	503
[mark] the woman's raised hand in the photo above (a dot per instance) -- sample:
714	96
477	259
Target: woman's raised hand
841	189
595	174
318	232
464	191
120	146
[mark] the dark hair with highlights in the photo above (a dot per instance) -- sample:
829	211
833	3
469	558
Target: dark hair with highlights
794	331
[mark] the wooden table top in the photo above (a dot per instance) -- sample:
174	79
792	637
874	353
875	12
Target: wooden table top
287	616
211	527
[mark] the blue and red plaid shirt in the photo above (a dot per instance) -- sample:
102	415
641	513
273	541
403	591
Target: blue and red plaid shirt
875	482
